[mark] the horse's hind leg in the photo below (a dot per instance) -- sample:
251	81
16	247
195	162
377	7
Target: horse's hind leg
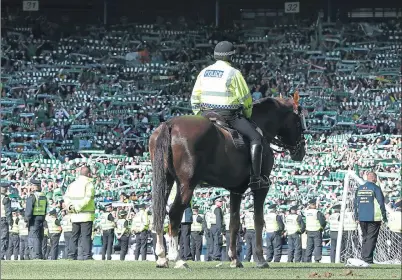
181	202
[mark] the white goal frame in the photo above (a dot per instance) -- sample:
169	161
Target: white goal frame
349	174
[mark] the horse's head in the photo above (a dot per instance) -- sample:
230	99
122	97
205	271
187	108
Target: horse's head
291	133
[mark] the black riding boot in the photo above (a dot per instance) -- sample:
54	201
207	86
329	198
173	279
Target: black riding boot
256	180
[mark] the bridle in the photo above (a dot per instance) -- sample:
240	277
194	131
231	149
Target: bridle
293	149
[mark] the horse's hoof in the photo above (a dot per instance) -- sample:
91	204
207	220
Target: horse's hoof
236	264
262	265
181	264
162	263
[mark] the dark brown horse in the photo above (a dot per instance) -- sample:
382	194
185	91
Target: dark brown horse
192	149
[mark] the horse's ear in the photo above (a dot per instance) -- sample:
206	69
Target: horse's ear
296	98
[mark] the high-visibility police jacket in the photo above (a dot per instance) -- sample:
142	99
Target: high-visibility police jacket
312	222
66	223
349	223
334	222
249	220
271	224
80	194
121	226
14	228
51	224
220	86
210	217
196	226
23	227
151	223
105	224
46	231
140	221
226	219
39	207
395	221
292	225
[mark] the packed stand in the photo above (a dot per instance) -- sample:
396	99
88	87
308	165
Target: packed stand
95	97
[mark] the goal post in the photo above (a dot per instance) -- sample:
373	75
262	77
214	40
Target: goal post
349	175
389	243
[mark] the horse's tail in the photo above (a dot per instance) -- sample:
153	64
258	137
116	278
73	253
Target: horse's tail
160	185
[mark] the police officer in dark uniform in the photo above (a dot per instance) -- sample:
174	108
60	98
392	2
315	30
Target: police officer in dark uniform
217	228
185	233
315	224
14	238
35	214
196	235
295	226
369	211
5	219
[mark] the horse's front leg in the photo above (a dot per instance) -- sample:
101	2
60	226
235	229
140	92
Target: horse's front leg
234	227
259	198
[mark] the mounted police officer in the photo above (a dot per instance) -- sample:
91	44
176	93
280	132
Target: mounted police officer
5	220
35	214
221	89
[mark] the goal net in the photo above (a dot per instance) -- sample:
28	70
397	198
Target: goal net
389	244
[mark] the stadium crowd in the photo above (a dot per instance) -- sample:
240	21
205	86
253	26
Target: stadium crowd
94	97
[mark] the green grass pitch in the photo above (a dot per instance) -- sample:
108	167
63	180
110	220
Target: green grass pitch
63	269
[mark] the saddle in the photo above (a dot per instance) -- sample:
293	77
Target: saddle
238	140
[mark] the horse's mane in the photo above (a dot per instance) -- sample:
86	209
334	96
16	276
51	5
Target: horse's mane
278	103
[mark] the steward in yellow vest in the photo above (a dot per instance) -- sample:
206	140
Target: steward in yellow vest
79	201
23	230
67	227
140	227
122	234
274	228
5	219
248	225
334	220
294	229
196	234
35	214
55	230
315	223
14	238
107	226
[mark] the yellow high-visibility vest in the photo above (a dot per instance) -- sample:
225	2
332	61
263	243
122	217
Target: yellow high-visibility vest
140	222
394	222
334	222
105	224
39	207
23	228
312	222
196	226
120	228
292	226
14	228
53	228
67	224
249	220
81	194
271	224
